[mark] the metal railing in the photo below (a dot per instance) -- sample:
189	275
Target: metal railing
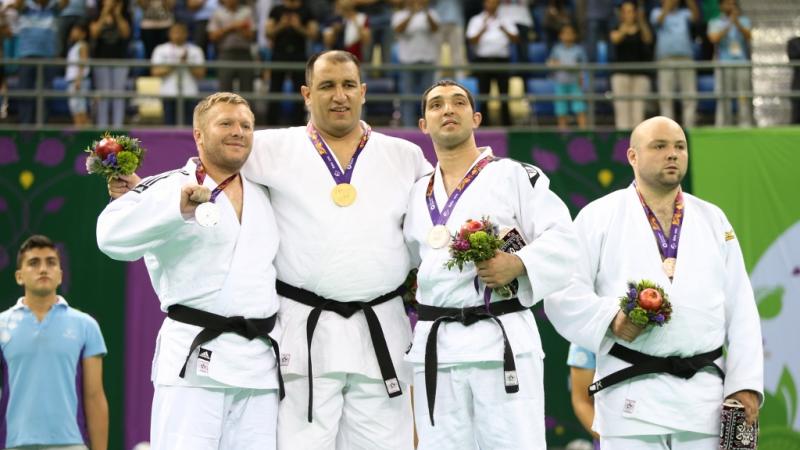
592	72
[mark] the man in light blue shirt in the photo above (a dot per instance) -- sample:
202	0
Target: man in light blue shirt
673	48
730	34
50	363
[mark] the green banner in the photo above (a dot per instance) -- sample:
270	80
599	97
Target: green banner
752	176
44	189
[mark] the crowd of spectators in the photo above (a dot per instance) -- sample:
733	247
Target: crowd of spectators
423	33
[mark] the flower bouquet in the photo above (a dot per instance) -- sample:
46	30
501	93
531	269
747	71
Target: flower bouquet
113	156
476	241
646	303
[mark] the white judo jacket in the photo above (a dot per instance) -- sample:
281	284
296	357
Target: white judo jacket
226	270
712	305
353	253
511	195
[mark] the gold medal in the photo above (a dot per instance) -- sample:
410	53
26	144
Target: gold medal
343	194
438	237
669	266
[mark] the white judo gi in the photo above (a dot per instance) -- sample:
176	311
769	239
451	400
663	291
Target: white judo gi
472	408
348	254
712	306
226	270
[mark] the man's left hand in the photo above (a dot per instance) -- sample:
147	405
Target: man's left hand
500	270
750	401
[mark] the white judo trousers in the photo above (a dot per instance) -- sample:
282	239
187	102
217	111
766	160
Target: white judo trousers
473	410
351	412
199	418
684	440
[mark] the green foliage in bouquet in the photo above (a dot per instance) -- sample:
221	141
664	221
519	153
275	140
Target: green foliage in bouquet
113	156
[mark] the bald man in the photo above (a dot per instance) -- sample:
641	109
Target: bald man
692	252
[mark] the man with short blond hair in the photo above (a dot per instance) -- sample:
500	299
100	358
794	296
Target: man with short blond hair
208	237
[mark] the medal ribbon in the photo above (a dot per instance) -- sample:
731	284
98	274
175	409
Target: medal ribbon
327	155
440	217
200	175
667	247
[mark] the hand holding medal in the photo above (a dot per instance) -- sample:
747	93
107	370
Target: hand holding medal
646	304
207	213
113	156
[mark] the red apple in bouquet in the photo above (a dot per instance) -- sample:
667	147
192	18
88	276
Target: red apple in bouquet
650	299
107	146
473	226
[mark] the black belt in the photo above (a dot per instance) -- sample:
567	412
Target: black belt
214	325
467	317
643	364
346	310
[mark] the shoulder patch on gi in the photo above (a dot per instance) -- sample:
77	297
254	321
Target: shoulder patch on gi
149	181
533	172
729	236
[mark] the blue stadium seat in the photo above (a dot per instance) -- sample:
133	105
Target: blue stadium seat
471	83
542	86
705	84
208	85
537	52
602	52
58	106
382	85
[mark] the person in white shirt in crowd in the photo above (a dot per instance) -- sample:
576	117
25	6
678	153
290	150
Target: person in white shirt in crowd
178	81
415	27
477	355
77	74
654	231
491	36
208	236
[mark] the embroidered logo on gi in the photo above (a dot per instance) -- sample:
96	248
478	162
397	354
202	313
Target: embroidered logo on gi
204	354
392	386
203	362
285	357
629	406
729	236
511	378
533	174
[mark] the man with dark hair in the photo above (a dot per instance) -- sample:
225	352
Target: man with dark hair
339	190
477	354
51	356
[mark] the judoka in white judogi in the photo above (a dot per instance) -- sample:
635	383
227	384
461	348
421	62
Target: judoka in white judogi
472	407
230	383
349	254
711	298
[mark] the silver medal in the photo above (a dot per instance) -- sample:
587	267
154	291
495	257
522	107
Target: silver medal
207	214
438	237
